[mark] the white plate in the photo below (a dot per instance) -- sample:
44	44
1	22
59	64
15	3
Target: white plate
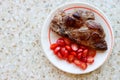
47	37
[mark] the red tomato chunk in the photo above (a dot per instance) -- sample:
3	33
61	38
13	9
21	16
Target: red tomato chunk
78	54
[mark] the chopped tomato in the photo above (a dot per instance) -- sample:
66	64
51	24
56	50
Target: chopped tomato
57	49
59	55
70	58
90	59
74	47
64	52
92	52
73	53
80	64
80	50
53	46
68	48
79	55
85	53
60	42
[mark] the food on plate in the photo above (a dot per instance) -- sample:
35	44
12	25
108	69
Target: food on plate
68	50
81	35
81	27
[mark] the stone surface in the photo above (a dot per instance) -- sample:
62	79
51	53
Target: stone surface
21	56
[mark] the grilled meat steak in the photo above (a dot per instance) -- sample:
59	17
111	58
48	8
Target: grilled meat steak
81	27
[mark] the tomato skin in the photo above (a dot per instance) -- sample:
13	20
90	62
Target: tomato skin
64	52
70	58
74	47
57	49
80	50
79	55
90	60
84	59
92	52
60	42
85	53
73	53
83	65
53	46
59	55
68	48
80	64
77	62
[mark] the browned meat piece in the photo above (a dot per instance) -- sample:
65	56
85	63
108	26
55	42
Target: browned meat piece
83	15
80	26
72	22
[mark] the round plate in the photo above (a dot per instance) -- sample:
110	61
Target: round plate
48	37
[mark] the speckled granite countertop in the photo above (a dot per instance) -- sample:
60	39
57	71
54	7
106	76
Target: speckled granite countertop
21	56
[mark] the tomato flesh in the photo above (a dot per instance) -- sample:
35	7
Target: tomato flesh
68	48
85	52
59	55
80	64
92	53
57	49
79	55
90	60
70	58
73	53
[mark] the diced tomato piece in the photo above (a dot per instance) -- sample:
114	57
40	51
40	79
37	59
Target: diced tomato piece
73	53
80	64
70	58
74	47
60	42
84	59
59	55
90	60
67	41
83	65
68	48
85	53
64	52
77	62
57	49
80	50
53	46
79	55
92	52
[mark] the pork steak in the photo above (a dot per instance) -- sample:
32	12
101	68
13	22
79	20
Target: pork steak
81	27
